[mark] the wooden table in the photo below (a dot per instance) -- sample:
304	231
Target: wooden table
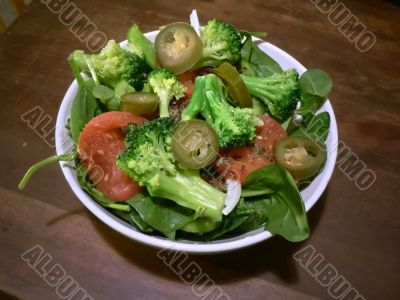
356	232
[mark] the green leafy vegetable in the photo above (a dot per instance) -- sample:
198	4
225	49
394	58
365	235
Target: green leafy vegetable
256	213
228	223
257	34
315	128
84	108
315	86
133	218
275	203
309	104
84	105
161	214
102	92
137	220
285	210
315	82
256	62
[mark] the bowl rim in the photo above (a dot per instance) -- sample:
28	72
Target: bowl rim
64	145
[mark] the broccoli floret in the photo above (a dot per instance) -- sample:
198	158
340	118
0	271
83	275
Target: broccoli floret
139	44
167	86
112	65
122	88
149	160
221	42
280	92
109	95
234	126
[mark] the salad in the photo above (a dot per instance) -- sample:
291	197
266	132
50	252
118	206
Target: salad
199	135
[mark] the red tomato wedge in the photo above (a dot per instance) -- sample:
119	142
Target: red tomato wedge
238	163
98	147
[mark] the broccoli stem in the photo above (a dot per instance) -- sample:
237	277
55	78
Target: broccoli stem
218	106
266	88
164	105
188	189
196	103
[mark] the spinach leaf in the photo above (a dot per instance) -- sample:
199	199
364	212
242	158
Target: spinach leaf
161	214
315	82
255	61
103	93
315	128
285	221
315	86
285	210
133	218
124	215
247	68
226	225
84	106
232	221
309	104
136	219
258	34
256	215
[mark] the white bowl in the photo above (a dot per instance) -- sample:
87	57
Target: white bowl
310	195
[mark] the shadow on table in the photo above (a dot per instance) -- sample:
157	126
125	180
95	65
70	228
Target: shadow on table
272	256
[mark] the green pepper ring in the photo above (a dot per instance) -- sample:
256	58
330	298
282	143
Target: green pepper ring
312	162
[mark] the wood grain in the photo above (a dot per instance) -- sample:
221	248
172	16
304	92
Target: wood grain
356	231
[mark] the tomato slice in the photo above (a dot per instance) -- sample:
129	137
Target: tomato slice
238	163
100	142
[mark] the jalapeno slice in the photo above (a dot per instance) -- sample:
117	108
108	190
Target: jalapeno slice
140	103
178	47
236	88
195	144
301	156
